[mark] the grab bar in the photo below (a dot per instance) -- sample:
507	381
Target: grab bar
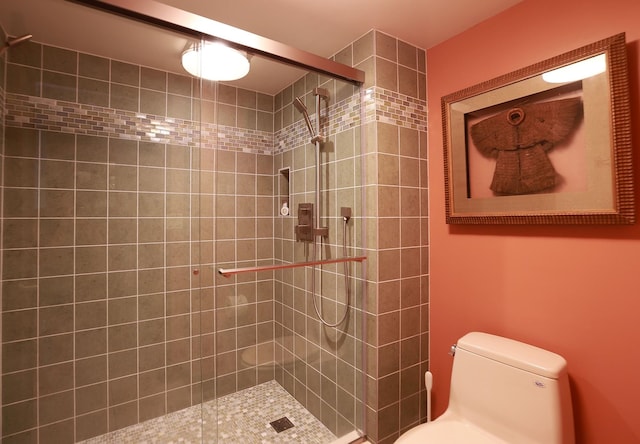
231	271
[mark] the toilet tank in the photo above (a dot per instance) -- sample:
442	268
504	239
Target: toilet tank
514	391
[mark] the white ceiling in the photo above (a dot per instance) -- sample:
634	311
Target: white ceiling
322	27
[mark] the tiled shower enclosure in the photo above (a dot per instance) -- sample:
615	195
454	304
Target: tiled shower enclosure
124	188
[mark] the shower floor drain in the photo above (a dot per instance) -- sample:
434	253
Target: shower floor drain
282	424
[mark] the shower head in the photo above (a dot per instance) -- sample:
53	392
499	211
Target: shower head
297	102
13	41
303	109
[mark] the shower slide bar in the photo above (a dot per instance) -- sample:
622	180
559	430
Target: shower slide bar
228	272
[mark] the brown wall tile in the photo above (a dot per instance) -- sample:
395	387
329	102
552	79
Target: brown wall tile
19	386
18	325
20	416
20	202
55	232
90	315
20	172
92	424
58	59
91	370
121	284
56	319
23	80
123	415
91	398
55	407
57	433
122	337
151	357
20	233
19	294
55	349
19	355
123	389
91	342
152	407
123	363
90	287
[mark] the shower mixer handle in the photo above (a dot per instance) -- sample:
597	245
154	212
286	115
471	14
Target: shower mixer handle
304	229
304	233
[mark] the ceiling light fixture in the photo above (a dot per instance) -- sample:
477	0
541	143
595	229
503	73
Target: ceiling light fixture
215	61
577	71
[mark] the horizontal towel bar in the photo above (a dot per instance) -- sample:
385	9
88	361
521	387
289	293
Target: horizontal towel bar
231	271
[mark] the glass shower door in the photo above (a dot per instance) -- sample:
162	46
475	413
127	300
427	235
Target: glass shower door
280	373
101	293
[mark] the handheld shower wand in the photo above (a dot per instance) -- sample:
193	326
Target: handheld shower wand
297	102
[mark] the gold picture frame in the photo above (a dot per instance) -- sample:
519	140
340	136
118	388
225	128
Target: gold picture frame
521	150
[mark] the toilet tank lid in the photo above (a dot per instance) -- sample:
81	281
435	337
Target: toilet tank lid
517	354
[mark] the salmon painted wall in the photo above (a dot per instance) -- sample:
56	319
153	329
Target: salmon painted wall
574	290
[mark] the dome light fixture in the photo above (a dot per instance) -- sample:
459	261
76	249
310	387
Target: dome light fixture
577	71
215	61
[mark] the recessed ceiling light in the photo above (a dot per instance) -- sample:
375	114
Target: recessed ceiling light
215	61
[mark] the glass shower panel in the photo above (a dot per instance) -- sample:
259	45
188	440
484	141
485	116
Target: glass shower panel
278	368
103	219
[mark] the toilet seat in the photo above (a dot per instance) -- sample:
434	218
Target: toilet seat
448	431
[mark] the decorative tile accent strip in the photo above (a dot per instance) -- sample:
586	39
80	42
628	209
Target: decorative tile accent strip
342	116
242	417
56	115
246	140
379	105
398	109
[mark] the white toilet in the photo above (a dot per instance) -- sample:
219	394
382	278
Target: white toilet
502	391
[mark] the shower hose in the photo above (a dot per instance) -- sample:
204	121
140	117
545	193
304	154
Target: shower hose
347	289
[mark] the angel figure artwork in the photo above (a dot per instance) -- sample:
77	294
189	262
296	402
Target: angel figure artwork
520	138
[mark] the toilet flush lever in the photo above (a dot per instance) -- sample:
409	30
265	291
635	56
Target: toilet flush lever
452	350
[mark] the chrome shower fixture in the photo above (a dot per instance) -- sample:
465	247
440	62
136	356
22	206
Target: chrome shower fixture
13	41
320	93
297	102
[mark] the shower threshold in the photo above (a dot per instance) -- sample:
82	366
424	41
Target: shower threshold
242	417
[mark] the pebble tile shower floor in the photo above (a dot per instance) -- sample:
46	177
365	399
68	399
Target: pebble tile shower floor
243	417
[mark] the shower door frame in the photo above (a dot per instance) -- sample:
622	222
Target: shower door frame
160	14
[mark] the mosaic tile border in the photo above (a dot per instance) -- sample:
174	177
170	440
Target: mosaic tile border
69	117
56	115
397	109
380	105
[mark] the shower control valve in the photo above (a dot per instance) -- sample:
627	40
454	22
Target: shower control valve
304	229
304	233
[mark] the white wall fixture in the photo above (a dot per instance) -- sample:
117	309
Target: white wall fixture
215	61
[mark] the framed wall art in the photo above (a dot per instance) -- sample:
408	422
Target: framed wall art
547	144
